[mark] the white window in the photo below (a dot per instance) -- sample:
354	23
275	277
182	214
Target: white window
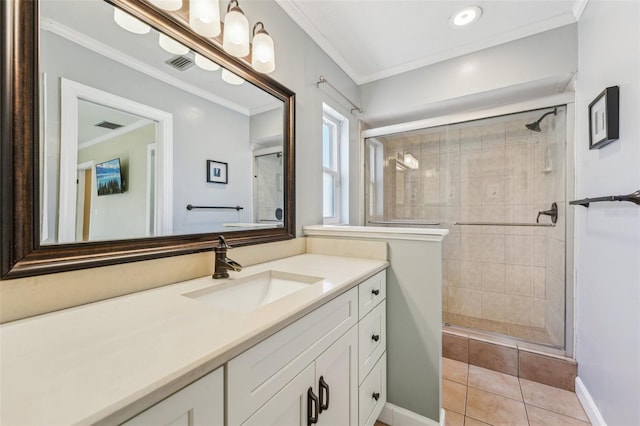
334	166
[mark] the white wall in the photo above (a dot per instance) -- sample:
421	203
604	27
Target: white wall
524	69
607	235
299	63
121	215
266	128
202	131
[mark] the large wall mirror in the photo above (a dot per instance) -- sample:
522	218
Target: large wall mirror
122	145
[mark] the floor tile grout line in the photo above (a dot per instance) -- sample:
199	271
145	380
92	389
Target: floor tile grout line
556	412
526	412
497	394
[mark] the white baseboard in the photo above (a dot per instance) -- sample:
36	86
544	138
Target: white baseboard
588	404
398	416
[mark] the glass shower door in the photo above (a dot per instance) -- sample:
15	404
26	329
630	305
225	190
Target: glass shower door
485	181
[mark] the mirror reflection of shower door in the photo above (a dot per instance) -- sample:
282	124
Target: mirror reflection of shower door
268	184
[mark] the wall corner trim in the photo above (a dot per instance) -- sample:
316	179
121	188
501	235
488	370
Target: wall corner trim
589	404
578	8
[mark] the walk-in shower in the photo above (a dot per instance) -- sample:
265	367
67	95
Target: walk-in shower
268	188
497	184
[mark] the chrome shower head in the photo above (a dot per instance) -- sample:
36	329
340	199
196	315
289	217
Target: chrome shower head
535	126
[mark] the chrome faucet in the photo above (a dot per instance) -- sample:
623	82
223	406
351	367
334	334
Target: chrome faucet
223	263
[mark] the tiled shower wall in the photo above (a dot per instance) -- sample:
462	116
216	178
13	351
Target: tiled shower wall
268	187
493	170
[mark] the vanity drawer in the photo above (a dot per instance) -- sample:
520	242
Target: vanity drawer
372	339
199	404
373	393
371	292
256	375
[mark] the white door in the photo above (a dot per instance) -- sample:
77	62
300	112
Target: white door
289	406
337	381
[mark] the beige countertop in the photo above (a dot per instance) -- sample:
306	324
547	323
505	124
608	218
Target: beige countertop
106	361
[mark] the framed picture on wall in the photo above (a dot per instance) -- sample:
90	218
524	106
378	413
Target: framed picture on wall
604	118
217	172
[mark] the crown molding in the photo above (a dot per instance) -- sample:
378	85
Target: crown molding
296	14
303	22
578	8
87	42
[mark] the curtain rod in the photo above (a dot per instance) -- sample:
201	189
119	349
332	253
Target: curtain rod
324	80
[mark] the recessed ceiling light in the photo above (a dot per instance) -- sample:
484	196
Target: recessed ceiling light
465	16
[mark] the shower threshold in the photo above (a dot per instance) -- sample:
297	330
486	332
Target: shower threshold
501	330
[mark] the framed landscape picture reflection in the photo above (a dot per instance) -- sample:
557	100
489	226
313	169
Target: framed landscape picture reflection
604	118
217	172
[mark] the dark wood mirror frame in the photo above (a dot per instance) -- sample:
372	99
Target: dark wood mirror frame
21	251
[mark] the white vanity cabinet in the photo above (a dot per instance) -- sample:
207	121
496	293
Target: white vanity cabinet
324	392
199	404
372	349
319	339
309	373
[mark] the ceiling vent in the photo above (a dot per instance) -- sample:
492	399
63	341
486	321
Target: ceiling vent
109	125
180	63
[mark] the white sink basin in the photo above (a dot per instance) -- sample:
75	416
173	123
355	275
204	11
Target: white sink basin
250	293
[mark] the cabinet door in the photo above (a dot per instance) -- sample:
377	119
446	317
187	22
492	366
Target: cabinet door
337	381
288	407
199	404
255	376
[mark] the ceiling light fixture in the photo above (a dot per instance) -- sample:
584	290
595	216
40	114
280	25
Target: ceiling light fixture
235	40
171	5
172	46
465	16
130	23
231	78
263	54
205	63
204	17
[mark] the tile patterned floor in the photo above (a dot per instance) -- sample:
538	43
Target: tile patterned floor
524	332
475	396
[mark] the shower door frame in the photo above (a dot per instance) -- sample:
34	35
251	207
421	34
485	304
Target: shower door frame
566	99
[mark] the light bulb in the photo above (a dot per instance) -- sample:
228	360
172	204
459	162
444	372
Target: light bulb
231	78
235	40
129	22
205	63
204	17
172	46
262	55
167	4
